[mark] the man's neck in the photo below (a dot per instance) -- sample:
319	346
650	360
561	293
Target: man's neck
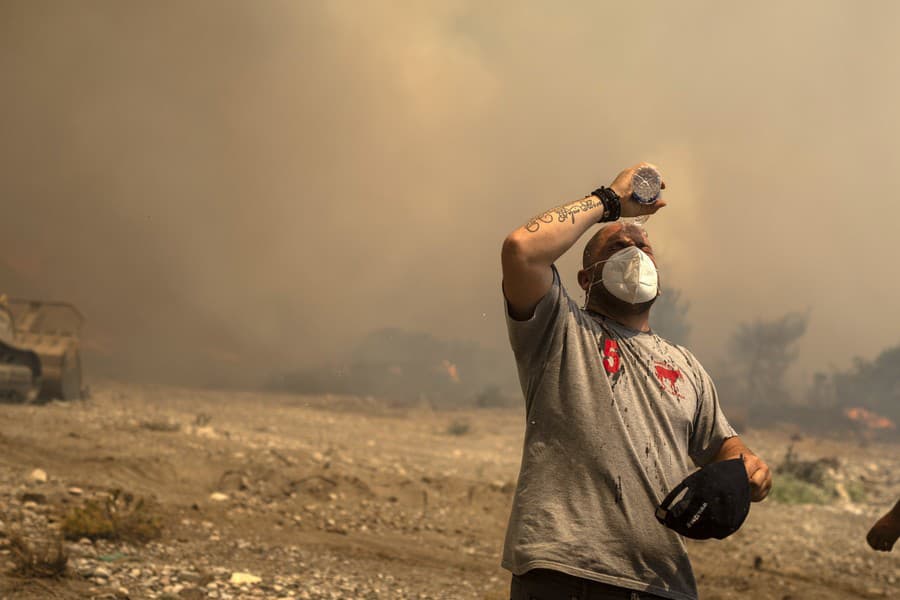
638	321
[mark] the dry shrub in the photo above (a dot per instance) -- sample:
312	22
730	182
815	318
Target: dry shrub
44	558
162	425
459	427
120	516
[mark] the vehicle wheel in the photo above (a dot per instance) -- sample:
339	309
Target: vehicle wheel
70	376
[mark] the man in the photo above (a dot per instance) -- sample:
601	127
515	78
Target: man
884	533
614	413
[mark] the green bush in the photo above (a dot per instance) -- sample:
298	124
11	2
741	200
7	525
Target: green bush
788	489
120	516
856	491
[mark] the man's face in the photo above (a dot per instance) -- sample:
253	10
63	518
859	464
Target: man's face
610	240
617	237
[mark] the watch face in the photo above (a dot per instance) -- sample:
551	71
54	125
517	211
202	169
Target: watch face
645	185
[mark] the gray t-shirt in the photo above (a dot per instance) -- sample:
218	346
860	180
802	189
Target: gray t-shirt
615	418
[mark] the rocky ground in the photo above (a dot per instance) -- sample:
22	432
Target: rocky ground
279	496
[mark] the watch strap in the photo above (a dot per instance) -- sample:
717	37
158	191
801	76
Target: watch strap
612	204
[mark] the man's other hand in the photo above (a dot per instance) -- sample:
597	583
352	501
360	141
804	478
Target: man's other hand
884	533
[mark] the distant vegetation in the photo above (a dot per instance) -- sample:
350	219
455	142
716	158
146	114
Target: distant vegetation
758	355
871	384
751	378
414	368
669	316
408	367
751	381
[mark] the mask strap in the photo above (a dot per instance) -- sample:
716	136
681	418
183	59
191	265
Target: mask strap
587	293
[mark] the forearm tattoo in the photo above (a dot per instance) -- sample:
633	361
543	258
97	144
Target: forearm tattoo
563	212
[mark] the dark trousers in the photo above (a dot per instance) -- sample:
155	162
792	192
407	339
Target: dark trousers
544	584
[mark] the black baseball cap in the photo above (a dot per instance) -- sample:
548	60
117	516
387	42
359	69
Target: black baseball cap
710	502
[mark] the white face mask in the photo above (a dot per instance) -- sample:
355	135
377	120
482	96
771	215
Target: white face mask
629	275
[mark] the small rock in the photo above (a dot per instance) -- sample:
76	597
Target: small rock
38	476
218	497
238	578
101	572
206	432
75	491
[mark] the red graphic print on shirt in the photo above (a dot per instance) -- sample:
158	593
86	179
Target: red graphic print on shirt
611	361
668	378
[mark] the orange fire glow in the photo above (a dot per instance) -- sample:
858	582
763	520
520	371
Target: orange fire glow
869	419
451	370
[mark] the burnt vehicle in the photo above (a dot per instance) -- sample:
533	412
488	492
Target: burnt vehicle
40	351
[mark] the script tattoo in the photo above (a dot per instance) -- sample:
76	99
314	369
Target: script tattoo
563	212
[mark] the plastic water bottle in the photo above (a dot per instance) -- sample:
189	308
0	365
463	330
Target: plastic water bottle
646	184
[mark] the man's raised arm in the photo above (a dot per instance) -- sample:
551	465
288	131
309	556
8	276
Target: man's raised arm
529	251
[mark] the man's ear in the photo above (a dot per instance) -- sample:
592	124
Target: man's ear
584	279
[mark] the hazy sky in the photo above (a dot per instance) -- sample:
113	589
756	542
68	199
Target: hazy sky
238	187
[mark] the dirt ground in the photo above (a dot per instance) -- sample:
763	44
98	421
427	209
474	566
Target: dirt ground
329	497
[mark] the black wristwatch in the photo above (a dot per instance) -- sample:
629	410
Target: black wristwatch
612	204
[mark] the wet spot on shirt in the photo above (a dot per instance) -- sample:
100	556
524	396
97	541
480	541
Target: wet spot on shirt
537	449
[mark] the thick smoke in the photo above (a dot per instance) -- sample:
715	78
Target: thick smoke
228	189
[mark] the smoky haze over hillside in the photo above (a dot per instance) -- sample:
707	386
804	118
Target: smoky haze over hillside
229	189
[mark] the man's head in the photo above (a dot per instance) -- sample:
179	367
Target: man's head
607	241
